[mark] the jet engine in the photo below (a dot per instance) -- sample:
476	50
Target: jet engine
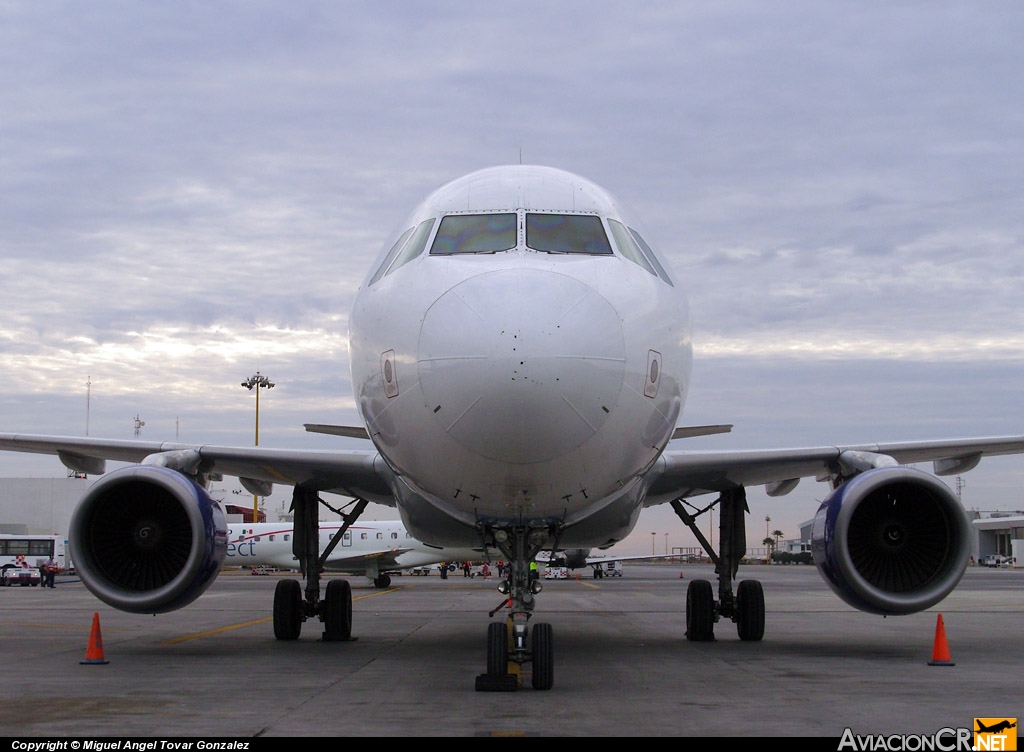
576	558
892	540
147	539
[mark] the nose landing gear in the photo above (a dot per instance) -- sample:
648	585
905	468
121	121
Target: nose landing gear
513	643
507	654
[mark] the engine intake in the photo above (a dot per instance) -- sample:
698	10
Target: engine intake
147	539
894	540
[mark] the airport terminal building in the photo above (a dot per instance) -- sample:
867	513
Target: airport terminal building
39	506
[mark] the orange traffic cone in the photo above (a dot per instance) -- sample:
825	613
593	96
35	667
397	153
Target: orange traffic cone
940	653
94	652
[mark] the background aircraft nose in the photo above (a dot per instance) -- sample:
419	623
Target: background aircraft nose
537	355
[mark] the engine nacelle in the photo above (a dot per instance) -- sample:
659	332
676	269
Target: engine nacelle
893	540
147	539
576	558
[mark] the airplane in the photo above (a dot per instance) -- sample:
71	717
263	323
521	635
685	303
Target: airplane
995	728
374	549
520	357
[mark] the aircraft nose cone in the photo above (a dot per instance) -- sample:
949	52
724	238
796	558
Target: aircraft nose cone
522	376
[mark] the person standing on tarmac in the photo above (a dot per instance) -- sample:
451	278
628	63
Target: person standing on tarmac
50	573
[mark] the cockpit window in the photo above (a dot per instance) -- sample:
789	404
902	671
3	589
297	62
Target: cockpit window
475	233
566	233
386	263
628	247
415	246
651	256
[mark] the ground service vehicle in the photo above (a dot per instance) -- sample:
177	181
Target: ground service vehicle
33	550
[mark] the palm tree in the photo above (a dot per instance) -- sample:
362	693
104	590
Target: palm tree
777	534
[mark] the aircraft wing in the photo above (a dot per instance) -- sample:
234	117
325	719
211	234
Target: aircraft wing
591	560
358	472
387	559
680	473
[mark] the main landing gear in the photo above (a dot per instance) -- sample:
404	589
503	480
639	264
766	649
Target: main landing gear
292	605
513	644
745	607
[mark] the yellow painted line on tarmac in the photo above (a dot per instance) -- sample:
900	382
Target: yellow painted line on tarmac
254	622
219	630
378	593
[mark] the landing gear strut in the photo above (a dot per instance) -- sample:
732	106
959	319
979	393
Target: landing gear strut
746	606
513	643
292	606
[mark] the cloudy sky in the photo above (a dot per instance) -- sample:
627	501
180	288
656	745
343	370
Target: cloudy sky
191	192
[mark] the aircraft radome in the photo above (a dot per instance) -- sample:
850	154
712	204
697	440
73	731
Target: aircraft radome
520	357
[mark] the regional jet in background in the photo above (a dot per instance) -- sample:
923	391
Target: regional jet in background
520	357
373	549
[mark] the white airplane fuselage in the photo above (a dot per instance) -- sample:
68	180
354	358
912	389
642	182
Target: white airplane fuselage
523	380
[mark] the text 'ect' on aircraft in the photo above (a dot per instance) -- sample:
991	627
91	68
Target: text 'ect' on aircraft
520	357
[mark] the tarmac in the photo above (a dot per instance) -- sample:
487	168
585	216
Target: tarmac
622	665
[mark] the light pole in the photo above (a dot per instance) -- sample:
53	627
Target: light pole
666	544
257	381
653	534
767	522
